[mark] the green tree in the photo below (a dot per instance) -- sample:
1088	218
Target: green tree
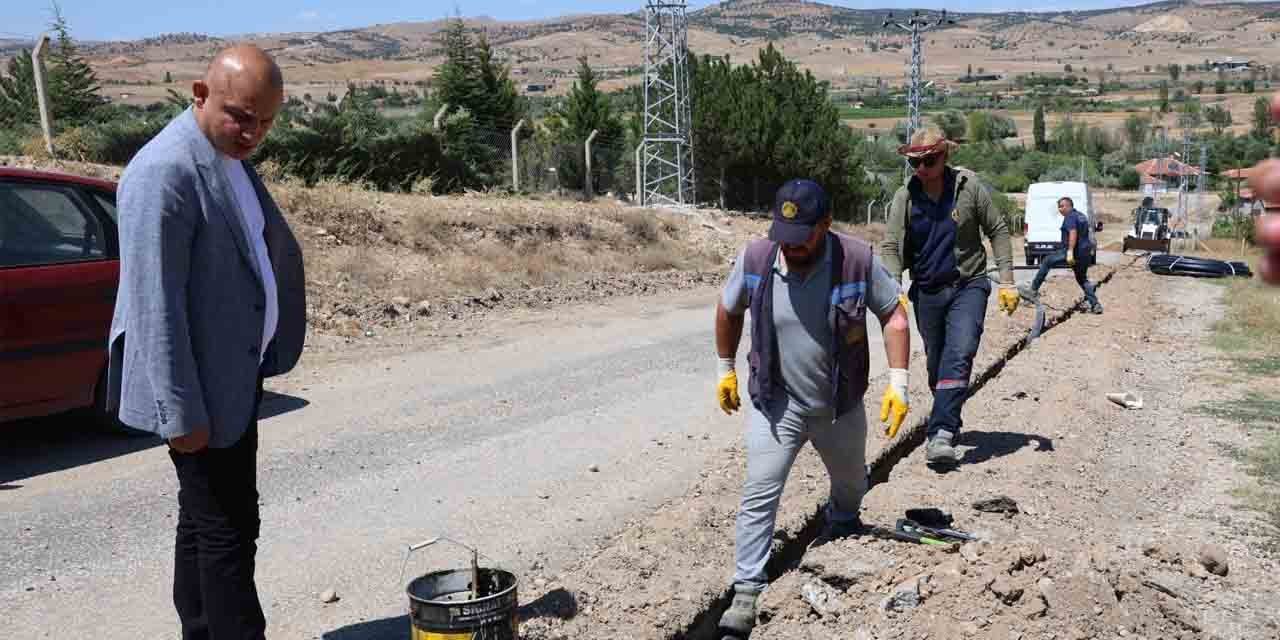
952	124
1198	87
1129	178
587	109
769	122
18	92
1261	119
1219	118
73	85
1037	129
1175	72
457	78
503	105
1164	97
980	129
1220	86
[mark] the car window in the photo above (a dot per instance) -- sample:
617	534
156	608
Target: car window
42	224
108	204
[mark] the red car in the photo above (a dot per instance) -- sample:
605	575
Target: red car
59	269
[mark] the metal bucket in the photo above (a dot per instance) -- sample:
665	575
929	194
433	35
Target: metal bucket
462	604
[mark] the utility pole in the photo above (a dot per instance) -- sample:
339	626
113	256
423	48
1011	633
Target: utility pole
515	156
1182	175
917	25
37	67
667	167
589	186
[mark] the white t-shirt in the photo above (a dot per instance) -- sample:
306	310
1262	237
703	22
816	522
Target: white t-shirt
254	223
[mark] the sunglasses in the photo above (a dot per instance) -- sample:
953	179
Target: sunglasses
927	161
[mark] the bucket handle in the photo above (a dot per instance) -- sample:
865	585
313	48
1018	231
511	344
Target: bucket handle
475	561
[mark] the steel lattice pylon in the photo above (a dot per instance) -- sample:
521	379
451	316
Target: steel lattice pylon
916	26
667	158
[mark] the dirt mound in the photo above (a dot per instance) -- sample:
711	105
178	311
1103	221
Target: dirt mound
1165	24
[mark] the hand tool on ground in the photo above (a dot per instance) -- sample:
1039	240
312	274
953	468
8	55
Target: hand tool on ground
946	535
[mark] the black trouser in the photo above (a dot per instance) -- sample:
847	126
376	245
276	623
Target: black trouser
213	586
950	320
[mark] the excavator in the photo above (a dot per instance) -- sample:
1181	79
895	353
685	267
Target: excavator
1150	230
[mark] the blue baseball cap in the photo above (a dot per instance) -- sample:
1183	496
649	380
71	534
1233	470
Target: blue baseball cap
798	207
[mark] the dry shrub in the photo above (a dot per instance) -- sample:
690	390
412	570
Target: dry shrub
661	256
364	269
349	213
641	226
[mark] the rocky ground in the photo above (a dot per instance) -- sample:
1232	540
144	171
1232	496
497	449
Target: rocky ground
1126	527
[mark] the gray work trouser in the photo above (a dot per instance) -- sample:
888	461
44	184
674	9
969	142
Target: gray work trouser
773	442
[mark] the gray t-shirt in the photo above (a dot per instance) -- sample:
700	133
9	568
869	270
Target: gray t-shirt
800	307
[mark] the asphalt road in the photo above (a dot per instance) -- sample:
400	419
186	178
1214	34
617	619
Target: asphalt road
492	441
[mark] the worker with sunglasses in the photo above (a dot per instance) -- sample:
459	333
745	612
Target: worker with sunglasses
935	228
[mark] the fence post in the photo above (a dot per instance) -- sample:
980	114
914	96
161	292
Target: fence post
869	205
37	67
590	187
639	176
515	156
439	114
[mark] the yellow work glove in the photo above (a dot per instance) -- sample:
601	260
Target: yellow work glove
727	389
1008	298
894	406
1071	259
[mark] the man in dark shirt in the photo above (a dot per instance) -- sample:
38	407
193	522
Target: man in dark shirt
1076	245
936	225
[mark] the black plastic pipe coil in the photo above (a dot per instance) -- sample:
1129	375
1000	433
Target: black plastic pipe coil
1171	265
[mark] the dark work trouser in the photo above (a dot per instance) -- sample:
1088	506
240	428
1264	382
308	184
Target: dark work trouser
218	522
950	321
1081	270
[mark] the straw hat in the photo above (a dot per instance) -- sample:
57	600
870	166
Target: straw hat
927	141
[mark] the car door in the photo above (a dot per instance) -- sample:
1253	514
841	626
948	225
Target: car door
58	275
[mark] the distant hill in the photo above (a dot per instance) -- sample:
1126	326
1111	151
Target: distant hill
836	43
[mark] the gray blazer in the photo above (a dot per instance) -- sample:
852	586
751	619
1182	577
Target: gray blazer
185	338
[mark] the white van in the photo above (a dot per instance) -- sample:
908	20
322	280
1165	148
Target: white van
1042	226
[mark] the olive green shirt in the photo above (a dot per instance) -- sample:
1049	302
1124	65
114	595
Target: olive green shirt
973	213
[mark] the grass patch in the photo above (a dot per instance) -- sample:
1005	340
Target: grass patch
1264	468
1254	410
1248	333
1251	325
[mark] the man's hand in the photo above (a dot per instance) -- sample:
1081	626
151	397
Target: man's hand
894	406
192	442
1266	182
727	389
1269	238
1008	298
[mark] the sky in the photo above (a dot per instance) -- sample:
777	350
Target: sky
134	19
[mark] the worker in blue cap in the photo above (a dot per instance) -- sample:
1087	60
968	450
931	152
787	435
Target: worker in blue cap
809	291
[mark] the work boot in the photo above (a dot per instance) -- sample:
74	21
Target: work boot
1029	294
740	618
835	530
939	451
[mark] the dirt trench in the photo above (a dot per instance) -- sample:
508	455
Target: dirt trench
666	575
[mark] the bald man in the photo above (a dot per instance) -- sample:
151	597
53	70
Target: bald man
211	301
